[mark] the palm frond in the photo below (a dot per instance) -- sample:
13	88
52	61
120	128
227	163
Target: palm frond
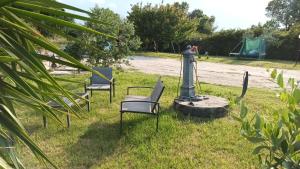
23	77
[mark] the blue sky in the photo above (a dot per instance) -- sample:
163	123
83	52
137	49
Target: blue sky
228	13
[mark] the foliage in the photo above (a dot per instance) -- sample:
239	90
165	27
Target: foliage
284	44
285	12
271	25
106	51
281	44
24	79
162	26
205	23
75	50
223	42
278	138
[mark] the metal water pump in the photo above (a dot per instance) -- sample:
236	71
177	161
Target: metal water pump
187	90
188	102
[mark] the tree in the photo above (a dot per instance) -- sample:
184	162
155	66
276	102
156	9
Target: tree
271	25
160	26
23	77
254	31
205	23
286	12
107	51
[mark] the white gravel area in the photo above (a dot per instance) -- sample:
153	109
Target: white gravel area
213	73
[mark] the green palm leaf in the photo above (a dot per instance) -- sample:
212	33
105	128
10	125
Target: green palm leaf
23	77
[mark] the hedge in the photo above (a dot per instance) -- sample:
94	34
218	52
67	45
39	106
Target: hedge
281	44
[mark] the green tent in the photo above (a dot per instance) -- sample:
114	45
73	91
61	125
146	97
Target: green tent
251	48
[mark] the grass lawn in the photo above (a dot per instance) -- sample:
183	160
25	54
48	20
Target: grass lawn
280	64
94	141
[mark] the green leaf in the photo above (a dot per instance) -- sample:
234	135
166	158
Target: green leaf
244	110
284	146
237	118
285	117
280	81
7	59
22	13
6	2
259	122
296	95
292	82
27	81
3	164
258	149
52	11
274	74
55	4
8	120
284	97
255	139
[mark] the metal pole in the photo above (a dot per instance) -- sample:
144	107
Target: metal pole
298	52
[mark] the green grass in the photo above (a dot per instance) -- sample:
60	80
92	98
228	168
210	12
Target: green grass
94	141
280	64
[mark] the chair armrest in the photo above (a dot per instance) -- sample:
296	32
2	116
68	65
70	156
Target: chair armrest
138	87
112	80
139	101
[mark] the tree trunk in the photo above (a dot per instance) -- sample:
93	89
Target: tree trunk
155	46
173	47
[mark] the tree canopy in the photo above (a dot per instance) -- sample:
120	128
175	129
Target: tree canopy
205	23
285	12
105	51
160	26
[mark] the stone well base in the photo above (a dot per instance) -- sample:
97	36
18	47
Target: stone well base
211	107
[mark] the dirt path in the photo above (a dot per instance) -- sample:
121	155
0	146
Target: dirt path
214	73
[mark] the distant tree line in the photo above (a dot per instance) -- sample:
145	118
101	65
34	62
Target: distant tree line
281	33
170	27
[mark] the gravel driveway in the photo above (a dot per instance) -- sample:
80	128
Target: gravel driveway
213	73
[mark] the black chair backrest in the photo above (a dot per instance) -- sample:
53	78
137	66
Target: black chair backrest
106	71
157	92
245	84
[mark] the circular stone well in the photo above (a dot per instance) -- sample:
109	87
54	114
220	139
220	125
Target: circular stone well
210	107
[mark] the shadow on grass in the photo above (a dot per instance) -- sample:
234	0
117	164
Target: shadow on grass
100	141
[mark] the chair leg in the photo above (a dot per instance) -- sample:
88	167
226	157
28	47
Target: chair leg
110	99
91	93
114	91
157	117
88	103
45	121
121	123
68	120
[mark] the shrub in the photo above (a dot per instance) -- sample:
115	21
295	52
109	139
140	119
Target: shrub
221	43
103	51
277	139
285	44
